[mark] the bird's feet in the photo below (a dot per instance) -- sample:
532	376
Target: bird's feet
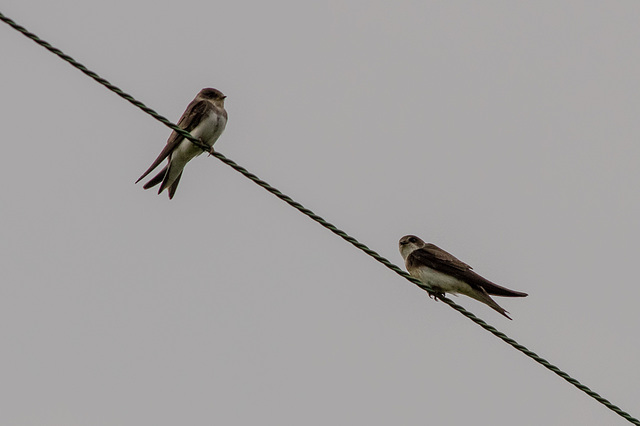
211	151
435	295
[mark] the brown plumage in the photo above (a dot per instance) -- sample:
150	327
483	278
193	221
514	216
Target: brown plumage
447	274
205	118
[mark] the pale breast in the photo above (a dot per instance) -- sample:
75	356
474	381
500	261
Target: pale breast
439	280
211	128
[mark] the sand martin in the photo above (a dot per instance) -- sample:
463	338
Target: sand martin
446	274
205	118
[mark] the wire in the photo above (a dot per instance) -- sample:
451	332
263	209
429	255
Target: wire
321	221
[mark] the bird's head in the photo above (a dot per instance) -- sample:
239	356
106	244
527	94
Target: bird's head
408	244
213	95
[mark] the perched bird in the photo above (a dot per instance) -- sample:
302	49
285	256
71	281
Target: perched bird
205	118
446	274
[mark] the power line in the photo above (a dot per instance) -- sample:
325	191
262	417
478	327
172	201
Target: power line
320	220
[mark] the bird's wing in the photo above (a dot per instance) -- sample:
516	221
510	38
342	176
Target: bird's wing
435	258
438	259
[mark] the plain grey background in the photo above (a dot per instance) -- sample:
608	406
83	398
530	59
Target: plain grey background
504	132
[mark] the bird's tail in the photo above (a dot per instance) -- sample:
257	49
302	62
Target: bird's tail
482	296
167	179
174	186
172	177
156	179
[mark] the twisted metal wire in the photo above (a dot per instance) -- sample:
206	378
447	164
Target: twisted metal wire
321	221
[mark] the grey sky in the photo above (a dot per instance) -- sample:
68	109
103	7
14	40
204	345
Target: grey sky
506	133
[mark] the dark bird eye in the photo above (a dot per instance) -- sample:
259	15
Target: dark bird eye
412	240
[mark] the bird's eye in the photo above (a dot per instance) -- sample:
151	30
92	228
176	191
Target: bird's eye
412	240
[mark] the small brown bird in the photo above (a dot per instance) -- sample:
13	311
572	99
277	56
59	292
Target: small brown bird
446	274
205	118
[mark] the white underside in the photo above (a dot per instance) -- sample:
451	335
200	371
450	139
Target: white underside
441	281
209	130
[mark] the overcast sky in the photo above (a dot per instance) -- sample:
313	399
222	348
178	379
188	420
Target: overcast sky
506	133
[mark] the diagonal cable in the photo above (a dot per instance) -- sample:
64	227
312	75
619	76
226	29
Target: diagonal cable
320	220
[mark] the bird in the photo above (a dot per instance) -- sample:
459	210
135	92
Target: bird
446	274
205	118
